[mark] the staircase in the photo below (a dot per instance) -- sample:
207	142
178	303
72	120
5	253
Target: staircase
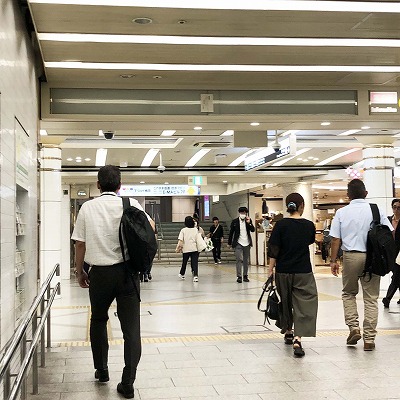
168	238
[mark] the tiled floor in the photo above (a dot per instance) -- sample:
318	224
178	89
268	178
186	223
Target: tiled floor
206	341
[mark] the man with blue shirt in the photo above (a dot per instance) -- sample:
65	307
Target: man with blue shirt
350	226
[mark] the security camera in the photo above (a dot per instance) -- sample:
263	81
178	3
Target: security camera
276	146
161	169
108	134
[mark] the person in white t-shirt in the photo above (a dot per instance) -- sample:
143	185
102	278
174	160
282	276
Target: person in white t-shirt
187	245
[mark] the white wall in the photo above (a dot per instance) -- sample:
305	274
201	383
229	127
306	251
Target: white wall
18	99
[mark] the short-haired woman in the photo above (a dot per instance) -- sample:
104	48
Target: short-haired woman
288	249
187	245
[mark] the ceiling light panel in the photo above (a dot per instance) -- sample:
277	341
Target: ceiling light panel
222	67
168	132
265	5
216	41
149	157
197	157
101	156
335	157
241	158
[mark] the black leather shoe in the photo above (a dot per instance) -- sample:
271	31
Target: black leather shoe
398	301
102	375
239	279
245	278
386	302
149	276
126	390
145	278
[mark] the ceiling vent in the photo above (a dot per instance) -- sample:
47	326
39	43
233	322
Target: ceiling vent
212	145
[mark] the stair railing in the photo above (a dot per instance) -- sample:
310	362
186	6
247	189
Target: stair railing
21	351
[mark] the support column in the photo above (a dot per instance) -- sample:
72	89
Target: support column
50	211
378	175
305	189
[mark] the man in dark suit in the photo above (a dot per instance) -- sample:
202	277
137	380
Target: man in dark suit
395	283
240	240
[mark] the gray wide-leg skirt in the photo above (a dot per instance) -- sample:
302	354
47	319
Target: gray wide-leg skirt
299	301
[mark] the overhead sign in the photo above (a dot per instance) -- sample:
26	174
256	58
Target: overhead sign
197	180
383	102
267	155
159	190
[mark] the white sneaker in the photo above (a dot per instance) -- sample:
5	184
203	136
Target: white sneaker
219	262
181	276
195	279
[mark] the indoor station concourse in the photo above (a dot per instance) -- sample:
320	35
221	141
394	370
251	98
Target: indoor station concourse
205	107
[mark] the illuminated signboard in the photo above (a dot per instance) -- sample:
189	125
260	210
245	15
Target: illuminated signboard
159	190
268	154
383	102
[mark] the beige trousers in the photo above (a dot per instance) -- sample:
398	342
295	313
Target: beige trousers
353	266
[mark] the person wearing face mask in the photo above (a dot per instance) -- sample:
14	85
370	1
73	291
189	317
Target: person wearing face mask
240	240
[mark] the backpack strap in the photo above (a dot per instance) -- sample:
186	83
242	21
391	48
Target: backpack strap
375	213
126	204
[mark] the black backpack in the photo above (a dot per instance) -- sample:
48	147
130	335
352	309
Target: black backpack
381	247
139	237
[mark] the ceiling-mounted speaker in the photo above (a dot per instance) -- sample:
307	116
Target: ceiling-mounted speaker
250	139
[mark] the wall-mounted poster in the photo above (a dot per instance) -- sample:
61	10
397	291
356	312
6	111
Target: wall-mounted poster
22	154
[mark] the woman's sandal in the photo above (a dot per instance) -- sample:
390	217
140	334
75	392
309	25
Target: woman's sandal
288	338
298	349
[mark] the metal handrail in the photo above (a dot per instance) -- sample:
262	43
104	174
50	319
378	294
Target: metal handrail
19	338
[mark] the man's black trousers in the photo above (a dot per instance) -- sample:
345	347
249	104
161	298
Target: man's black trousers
107	284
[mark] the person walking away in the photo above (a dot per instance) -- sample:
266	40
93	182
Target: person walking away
289	257
240	240
350	226
395	281
96	236
187	245
217	237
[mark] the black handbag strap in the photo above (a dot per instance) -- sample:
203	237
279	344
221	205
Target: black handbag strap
126	204
266	288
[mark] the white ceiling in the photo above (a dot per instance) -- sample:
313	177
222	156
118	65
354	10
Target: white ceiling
78	134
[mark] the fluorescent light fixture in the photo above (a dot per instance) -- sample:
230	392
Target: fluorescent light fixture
365	127
229	132
240	159
258	5
70	159
289	132
166	183
168	132
43	132
197	128
254	123
101	156
325	123
101	133
149	157
222	67
216	41
142	182
197	157
298	153
87	159
78	160
335	157
349	132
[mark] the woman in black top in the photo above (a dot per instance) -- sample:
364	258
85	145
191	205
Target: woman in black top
288	249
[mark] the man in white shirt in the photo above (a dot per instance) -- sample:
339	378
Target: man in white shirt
240	240
350	226
96	236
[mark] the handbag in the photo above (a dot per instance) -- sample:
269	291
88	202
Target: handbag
273	305
200	243
209	244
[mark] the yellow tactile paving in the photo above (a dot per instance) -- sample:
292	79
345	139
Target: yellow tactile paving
221	338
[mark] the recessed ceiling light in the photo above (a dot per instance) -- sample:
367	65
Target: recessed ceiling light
126	76
166	183
70	159
87	159
142	182
224	181
254	123
300	159
326	123
168	132
157	77
365	127
78	160
142	20
197	128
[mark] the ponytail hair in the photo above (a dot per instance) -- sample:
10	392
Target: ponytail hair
293	202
